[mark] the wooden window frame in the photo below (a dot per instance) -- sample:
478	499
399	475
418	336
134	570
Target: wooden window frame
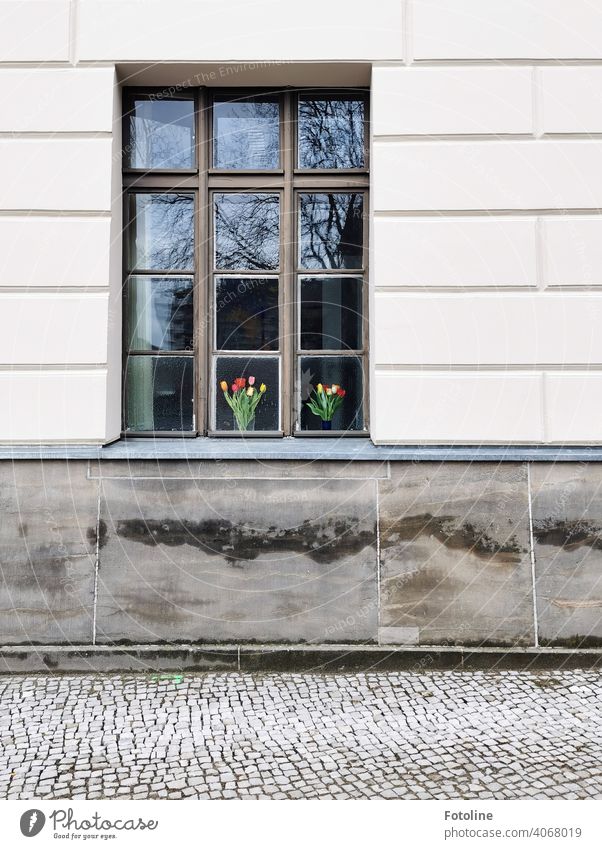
288	181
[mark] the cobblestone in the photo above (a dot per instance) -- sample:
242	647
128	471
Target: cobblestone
427	735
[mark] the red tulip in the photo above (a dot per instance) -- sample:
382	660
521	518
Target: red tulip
341	392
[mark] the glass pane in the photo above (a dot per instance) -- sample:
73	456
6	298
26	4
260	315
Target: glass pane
159	393
161	133
331	313
331	231
264	370
246	133
161	233
346	372
331	132
160	314
246	313
247	231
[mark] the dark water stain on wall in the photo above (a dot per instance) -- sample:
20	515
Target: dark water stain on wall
323	542
568	534
457	536
99	536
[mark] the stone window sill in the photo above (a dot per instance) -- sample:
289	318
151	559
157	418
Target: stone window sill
297	449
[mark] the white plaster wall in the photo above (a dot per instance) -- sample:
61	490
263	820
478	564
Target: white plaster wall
486	235
486	257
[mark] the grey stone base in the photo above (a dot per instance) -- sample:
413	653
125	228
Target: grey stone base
187	659
113	552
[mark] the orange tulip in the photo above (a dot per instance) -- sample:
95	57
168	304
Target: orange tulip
224	386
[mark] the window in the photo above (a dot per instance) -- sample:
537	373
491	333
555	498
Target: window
245	257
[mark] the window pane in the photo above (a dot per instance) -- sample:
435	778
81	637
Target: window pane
246	133
247	231
331	231
346	372
246	313
331	132
264	370
160	314
161	233
331	313
159	393
161	133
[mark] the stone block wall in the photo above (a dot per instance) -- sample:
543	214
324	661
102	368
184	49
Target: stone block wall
160	552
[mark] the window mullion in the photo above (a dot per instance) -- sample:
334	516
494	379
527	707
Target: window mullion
203	277
287	295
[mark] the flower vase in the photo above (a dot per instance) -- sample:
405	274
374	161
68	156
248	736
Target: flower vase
249	427
326	425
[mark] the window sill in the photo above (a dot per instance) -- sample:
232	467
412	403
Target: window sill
203	448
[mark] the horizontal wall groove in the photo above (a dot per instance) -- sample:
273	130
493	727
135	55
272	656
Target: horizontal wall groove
52	135
498	289
55	213
491	292
34	66
484	213
53	368
52	290
459	137
533	368
454	139
503	62
469	137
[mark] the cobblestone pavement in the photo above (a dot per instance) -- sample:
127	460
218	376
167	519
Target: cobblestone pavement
432	735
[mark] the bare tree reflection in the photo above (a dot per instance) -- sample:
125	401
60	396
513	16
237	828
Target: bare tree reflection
331	230
163	232
247	230
331	133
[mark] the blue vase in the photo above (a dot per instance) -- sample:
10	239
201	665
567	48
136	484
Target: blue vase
326	425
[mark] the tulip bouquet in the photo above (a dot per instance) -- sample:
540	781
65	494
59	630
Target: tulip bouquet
324	401
244	399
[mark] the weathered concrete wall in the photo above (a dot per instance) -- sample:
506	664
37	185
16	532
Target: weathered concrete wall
455	555
505	555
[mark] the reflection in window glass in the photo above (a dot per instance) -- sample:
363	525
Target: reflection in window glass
331	132
246	133
346	372
159	393
246	313
264	370
161	134
160	315
331	230
247	231
331	313
161	234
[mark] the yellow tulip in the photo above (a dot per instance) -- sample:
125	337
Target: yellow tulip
250	391
334	387
224	386
320	389
262	388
